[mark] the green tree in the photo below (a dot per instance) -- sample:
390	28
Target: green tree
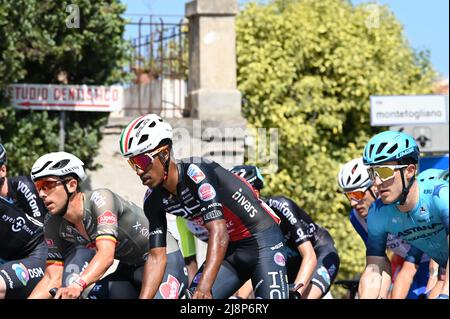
41	43
308	68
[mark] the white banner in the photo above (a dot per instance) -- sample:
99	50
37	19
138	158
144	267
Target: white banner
66	97
408	109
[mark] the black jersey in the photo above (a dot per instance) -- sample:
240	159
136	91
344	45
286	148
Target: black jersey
22	191
297	226
205	192
21	219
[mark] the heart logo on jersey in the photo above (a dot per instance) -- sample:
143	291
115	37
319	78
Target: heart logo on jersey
170	288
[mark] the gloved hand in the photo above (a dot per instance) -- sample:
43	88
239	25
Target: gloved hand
293	293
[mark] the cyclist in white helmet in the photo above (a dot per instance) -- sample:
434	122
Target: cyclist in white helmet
101	222
244	242
356	184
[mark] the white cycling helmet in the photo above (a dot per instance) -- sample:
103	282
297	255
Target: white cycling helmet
353	175
144	134
58	164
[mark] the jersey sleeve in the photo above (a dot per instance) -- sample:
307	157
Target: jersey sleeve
106	215
356	223
28	199
377	236
203	183
440	200
157	219
299	228
57	247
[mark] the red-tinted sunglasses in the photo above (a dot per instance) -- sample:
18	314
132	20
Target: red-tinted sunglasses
142	161
46	184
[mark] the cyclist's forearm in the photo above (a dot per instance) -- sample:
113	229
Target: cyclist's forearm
154	269
370	283
402	285
97	267
306	271
215	253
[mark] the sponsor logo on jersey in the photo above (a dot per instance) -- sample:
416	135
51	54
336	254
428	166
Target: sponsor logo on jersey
413	230
107	218
212	215
30	197
279	259
141	229
283	208
323	272
197	278
244	202
18	224
98	199
276	288
206	192
332	270
10	282
21	273
195	173
277	246
170	288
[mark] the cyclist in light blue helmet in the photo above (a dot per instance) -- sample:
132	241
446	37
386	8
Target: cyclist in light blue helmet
430	174
415	211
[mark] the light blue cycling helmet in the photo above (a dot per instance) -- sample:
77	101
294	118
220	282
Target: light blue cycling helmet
430	174
444	175
391	146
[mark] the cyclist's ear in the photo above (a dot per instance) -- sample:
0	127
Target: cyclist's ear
71	184
411	170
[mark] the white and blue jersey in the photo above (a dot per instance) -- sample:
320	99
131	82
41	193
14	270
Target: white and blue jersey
425	226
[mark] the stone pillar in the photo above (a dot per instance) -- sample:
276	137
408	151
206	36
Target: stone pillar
212	92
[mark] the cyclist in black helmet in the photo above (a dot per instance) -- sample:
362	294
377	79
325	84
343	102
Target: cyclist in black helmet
313	261
22	247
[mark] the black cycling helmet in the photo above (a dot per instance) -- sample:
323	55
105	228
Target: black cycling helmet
251	174
2	155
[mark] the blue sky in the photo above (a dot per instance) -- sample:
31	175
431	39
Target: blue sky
426	22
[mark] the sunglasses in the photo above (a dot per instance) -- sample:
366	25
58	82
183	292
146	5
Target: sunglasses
384	173
46	184
142	161
356	195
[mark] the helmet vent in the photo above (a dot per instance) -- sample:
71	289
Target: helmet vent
393	148
152	124
60	164
42	168
130	141
407	143
380	158
380	148
371	149
143	138
348	180
358	179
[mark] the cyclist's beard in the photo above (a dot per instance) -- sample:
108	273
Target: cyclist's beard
2	181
